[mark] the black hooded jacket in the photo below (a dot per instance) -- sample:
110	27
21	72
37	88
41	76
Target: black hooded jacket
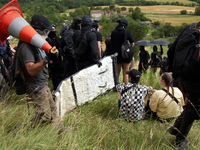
117	38
91	56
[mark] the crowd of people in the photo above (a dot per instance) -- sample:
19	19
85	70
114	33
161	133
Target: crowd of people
79	47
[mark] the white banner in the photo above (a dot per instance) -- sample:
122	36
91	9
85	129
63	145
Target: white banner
85	86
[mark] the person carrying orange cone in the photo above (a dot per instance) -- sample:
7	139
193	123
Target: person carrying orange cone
34	61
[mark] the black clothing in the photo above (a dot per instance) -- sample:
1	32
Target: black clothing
69	61
156	57
55	67
99	36
91	55
109	48
191	88
5	55
186	119
117	39
144	58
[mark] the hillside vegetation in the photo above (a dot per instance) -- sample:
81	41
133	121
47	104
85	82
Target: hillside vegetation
180	1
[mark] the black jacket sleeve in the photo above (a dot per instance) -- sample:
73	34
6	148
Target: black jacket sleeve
93	46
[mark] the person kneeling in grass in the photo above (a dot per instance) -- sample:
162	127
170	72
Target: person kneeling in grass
132	96
166	103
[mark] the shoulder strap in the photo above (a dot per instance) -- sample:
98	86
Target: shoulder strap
24	72
125	35
171	96
125	90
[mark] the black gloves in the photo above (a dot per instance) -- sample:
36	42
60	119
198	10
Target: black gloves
99	64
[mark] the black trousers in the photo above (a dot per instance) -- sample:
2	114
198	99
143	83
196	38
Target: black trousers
185	121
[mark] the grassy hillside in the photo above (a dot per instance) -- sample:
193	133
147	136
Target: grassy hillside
94	126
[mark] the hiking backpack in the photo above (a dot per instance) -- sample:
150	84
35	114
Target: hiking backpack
18	74
186	62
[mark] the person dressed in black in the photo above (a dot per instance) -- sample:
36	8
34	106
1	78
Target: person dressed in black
156	58
117	39
6	57
89	54
109	48
185	121
54	64
95	26
67	46
144	59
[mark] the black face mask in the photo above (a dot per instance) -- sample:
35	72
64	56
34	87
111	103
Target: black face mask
78	27
52	34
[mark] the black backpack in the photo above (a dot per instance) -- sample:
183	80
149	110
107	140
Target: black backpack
80	43
127	50
18	74
186	62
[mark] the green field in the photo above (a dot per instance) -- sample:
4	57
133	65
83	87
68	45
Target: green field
180	1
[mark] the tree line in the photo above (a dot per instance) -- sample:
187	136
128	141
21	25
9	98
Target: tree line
69	4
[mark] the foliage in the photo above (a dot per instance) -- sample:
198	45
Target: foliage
138	15
130	9
183	12
167	30
118	9
112	7
197	10
123	8
80	12
156	23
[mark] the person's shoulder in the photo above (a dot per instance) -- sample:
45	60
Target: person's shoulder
26	47
91	35
177	90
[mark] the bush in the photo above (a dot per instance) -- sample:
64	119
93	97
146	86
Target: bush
183	12
123	8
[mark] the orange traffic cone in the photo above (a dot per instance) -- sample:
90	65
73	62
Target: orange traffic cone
12	22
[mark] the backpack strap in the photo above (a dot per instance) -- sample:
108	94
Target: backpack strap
125	90
24	72
171	96
125	35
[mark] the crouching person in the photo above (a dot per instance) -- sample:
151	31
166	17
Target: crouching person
132	96
166	104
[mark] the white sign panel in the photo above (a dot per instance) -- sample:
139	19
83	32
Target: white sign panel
85	86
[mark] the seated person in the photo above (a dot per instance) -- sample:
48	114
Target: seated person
166	104
132	96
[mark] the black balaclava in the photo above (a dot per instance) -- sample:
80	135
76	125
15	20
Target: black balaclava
52	34
86	24
142	48
155	48
75	23
123	23
95	24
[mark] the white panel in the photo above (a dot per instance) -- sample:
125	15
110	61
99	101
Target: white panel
89	83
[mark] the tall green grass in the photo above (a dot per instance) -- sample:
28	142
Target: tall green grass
95	125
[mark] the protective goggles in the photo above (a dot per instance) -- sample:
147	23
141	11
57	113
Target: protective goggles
45	31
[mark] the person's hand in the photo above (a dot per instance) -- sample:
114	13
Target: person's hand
99	64
54	50
151	88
